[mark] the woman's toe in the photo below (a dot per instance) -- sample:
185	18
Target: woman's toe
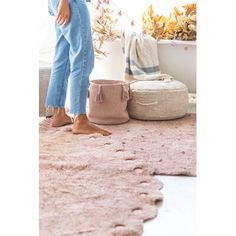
105	132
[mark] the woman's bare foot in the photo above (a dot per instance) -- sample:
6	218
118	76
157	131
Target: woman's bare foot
60	118
83	126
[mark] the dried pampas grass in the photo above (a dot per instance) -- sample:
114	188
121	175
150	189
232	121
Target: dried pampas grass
180	25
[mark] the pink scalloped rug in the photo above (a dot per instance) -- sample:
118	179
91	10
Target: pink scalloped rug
104	186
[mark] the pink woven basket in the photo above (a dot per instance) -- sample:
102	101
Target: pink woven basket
108	101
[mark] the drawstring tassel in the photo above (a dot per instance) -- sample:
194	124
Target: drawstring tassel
125	93
99	96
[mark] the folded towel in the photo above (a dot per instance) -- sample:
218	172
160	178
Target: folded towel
141	55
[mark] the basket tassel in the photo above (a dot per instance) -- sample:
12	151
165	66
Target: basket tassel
99	97
125	93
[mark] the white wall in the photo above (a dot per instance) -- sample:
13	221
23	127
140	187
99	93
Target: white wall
133	8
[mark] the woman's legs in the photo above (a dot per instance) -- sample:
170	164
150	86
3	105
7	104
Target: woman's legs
78	34
57	88
74	48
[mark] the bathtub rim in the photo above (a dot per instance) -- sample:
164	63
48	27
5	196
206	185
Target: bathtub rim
177	42
166	41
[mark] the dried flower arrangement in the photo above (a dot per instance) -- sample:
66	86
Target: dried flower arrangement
104	26
180	25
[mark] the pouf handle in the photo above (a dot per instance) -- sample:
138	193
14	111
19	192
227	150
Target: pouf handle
147	104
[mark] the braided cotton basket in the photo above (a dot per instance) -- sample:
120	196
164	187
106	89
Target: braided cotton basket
158	100
108	101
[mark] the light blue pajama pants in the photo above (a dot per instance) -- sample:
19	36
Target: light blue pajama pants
74	58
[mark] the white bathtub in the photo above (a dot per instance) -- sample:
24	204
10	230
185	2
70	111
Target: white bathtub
177	58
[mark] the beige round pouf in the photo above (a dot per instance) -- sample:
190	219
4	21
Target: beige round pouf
158	100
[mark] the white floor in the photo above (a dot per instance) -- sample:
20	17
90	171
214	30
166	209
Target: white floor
176	215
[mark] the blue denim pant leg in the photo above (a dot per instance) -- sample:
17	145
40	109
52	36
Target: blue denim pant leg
57	87
76	50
